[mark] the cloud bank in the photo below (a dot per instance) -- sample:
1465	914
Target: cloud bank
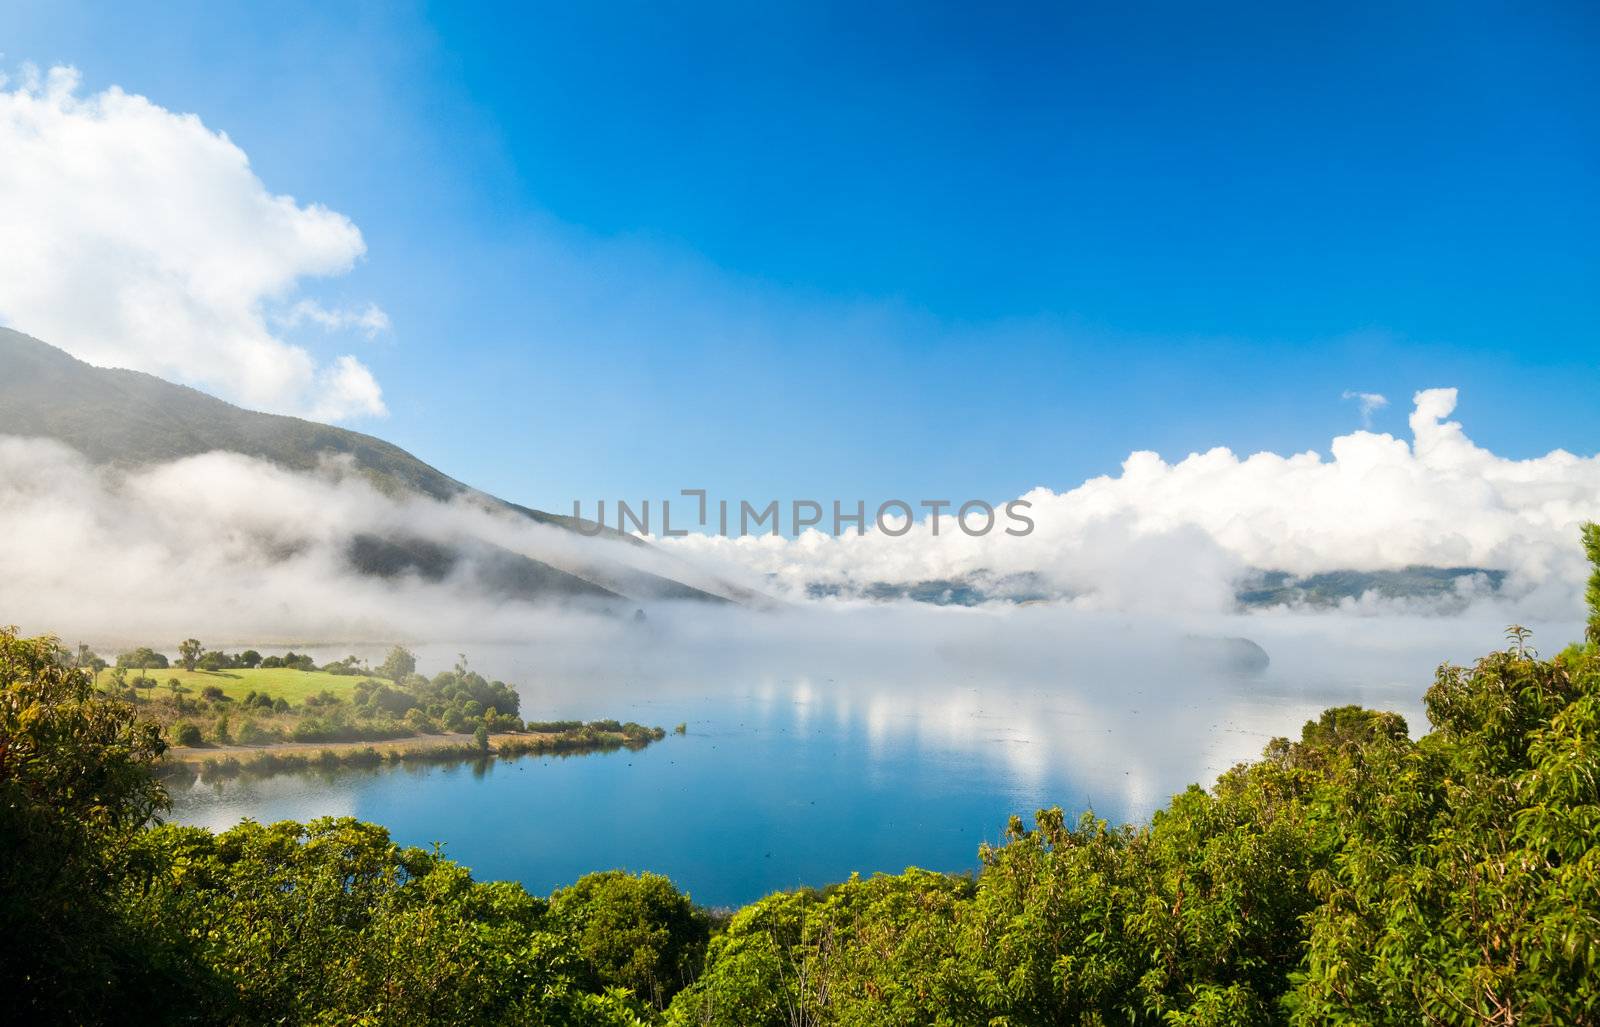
234	548
239	549
137	237
1181	536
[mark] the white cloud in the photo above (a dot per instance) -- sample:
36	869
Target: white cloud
1369	402
1178	536
345	386
371	319
245	549
134	236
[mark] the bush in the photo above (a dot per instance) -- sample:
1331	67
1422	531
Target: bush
251	733
186	734
554	726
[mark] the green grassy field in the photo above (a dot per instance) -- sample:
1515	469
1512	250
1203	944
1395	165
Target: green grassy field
278	682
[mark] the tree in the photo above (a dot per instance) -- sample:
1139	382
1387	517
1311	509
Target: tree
331	922
250	658
1591	548
216	659
398	664
143	658
638	933
75	788
189	652
88	659
106	919
480	738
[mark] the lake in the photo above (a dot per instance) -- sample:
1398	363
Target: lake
821	744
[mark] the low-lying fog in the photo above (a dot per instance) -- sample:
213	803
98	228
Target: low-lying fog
1130	708
826	741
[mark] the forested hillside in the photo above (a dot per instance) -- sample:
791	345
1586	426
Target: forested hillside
1350	876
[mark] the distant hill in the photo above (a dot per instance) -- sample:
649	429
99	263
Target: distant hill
129	419
1436	584
1260	589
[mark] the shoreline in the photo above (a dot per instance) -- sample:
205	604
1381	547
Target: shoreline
202	753
288	757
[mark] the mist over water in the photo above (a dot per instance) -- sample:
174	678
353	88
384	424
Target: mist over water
826	741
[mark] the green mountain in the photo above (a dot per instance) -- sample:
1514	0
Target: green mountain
129	419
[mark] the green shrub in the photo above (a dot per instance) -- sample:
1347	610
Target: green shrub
638	933
251	733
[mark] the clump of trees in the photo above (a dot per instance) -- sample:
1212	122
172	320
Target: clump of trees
290	660
347	666
193	655
1353	875
455	700
143	658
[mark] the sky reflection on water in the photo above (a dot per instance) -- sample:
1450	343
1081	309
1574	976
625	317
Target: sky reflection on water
818	747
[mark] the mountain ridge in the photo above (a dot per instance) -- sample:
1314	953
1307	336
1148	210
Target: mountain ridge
127	418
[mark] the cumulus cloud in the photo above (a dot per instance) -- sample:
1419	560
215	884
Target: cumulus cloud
1369	403
137	237
1181	536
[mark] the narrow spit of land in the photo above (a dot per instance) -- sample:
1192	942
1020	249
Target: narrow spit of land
268	714
513	742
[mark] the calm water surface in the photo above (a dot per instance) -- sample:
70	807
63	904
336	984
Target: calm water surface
817	750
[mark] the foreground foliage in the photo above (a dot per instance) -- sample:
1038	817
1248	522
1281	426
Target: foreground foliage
1352	876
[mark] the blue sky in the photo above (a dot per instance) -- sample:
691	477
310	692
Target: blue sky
911	251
